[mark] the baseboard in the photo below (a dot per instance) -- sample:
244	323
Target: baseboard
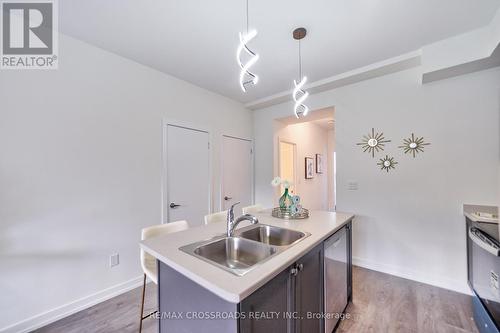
68	309
454	285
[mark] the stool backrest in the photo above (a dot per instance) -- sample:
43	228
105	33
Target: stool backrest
157	230
252	209
216	217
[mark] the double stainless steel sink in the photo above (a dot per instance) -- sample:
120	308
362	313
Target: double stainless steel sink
249	247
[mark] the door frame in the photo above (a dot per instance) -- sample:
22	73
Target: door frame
164	158
221	185
295	163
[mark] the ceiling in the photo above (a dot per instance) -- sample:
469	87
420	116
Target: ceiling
324	118
326	123
196	40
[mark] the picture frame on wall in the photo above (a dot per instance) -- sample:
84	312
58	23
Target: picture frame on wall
319	163
309	167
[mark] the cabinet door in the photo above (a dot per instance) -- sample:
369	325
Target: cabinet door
309	292
274	299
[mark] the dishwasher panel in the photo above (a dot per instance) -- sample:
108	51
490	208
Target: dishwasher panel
336	278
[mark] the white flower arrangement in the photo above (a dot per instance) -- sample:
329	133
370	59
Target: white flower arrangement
277	181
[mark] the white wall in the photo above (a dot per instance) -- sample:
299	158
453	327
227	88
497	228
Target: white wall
464	48
409	222
310	139
331	169
80	172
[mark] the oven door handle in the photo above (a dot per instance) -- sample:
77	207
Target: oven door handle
481	240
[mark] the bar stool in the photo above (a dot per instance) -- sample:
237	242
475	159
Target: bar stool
216	217
148	262
252	209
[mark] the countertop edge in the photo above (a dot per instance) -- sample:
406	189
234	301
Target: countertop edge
473	218
469	209
237	298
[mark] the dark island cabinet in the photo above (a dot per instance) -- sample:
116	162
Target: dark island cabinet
290	302
309	292
266	309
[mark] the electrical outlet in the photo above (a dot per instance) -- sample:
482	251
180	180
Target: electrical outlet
114	260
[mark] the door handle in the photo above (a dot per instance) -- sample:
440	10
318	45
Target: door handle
227	198
294	271
174	205
478	237
300	267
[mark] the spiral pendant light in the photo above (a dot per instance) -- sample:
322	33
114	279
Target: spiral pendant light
299	95
246	76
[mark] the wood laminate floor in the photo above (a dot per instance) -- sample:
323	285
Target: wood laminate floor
385	303
382	304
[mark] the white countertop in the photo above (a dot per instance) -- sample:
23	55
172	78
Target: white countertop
473	212
230	287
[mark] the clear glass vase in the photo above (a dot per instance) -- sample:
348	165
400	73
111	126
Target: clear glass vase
286	200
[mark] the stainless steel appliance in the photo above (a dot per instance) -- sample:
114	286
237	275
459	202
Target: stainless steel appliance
483	259
337	277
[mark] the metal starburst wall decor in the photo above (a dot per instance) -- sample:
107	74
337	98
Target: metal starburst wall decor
387	163
414	145
373	142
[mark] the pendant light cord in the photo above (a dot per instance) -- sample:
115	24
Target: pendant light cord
300	63
247	16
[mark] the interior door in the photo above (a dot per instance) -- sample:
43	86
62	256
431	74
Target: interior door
287	162
237	173
188	178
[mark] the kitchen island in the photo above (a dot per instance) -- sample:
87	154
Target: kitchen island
276	295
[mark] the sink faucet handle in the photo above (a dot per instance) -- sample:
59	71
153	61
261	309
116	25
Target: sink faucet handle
232	206
236	203
230	213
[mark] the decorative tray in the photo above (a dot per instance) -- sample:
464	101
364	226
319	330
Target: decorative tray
285	213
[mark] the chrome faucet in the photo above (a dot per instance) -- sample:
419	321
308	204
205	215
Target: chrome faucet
231	223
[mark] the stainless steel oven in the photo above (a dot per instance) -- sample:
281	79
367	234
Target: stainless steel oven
483	259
